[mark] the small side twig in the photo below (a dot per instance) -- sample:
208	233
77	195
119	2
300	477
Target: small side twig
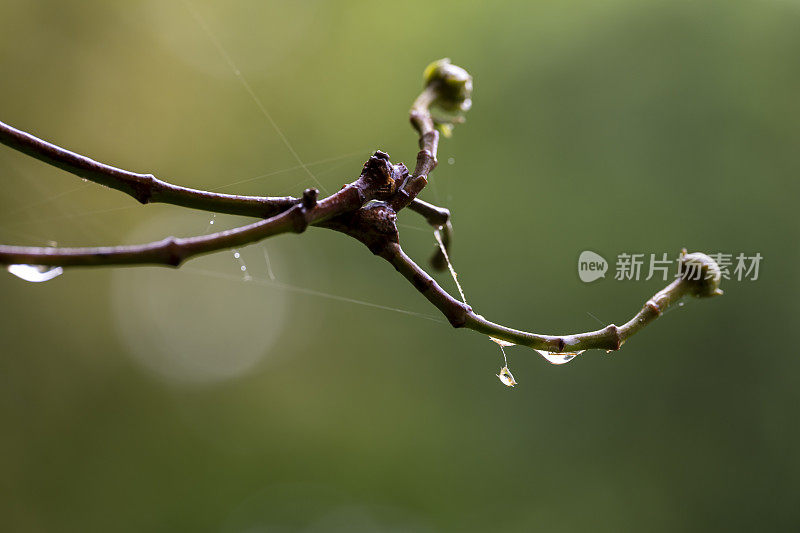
439	219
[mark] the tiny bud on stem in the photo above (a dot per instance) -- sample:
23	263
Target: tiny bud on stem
701	272
452	83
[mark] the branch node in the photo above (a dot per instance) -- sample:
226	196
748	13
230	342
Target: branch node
379	173
174	254
614	330
299	218
310	198
459	319
143	188
654	306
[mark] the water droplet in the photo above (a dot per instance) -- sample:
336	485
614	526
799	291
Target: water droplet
559	358
680	304
506	377
451	160
501	342
211	222
35	273
238	257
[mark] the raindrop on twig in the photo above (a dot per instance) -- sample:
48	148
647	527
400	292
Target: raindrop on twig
559	358
505	375
35	273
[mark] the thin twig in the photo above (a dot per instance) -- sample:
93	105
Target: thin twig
439	219
173	251
145	188
420	116
611	337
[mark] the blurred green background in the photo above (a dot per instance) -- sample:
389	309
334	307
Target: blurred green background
146	399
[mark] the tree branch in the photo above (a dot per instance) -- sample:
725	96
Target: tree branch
366	210
379	179
145	188
173	251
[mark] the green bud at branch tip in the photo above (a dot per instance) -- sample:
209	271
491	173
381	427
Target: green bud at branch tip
701	272
453	85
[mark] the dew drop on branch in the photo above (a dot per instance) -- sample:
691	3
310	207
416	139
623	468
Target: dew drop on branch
35	273
559	358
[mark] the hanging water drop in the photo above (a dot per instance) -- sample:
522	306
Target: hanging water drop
506	377
35	273
242	266
559	358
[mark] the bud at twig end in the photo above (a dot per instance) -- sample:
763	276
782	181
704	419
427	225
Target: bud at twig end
453	85
702	274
